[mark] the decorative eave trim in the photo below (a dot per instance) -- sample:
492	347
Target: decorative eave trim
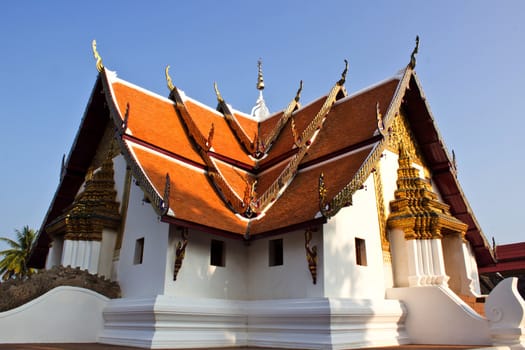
138	173
293	106
344	197
416	209
308	137
243	139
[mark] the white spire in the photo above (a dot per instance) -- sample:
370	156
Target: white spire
260	111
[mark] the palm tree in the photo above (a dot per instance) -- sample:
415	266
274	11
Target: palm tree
13	263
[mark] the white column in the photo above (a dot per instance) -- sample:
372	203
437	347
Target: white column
438	263
425	263
83	254
459	266
415	263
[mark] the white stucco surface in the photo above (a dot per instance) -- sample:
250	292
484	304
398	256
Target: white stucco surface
147	278
64	314
505	309
343	277
293	278
307	323
197	278
436	315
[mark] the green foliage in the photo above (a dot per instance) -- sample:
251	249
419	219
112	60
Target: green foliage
13	263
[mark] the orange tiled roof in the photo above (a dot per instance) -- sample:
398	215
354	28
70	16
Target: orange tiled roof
213	170
216	181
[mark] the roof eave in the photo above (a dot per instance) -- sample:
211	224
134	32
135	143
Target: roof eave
444	174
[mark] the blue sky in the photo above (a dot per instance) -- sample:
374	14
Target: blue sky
471	65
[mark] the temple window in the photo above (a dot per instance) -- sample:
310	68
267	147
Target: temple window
139	251
360	251
217	255
275	252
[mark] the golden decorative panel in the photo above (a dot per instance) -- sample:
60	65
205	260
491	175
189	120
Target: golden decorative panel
311	255
94	209
380	203
402	134
180	252
416	208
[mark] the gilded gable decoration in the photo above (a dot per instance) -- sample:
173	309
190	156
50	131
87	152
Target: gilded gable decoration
217	92
288	112
63	167
180	252
94	209
210	137
341	81
412	63
401	133
169	82
99	64
165	202
311	254
380	124
416	209
344	197
124	124
380	203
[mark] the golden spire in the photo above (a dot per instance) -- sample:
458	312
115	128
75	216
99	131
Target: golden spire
100	66
260	79
412	63
168	79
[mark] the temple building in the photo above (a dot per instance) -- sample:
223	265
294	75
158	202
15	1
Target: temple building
334	224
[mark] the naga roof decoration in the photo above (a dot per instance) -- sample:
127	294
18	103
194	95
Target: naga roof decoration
227	172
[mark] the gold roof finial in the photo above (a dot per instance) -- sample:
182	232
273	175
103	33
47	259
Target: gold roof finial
298	94
412	63
260	79
219	97
343	75
168	79
100	66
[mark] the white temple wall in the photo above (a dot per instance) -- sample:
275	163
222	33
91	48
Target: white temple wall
343	276
389	165
119	167
142	277
54	257
399	257
107	248
473	270
246	274
292	279
458	260
83	254
197	278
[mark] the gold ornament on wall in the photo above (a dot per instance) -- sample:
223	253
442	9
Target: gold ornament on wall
311	255
180	252
416	209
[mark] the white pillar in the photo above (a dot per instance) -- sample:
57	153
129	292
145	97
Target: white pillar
425	263
83	254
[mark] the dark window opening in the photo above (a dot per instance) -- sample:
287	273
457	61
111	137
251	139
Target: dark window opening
275	252
139	251
360	252
217	256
